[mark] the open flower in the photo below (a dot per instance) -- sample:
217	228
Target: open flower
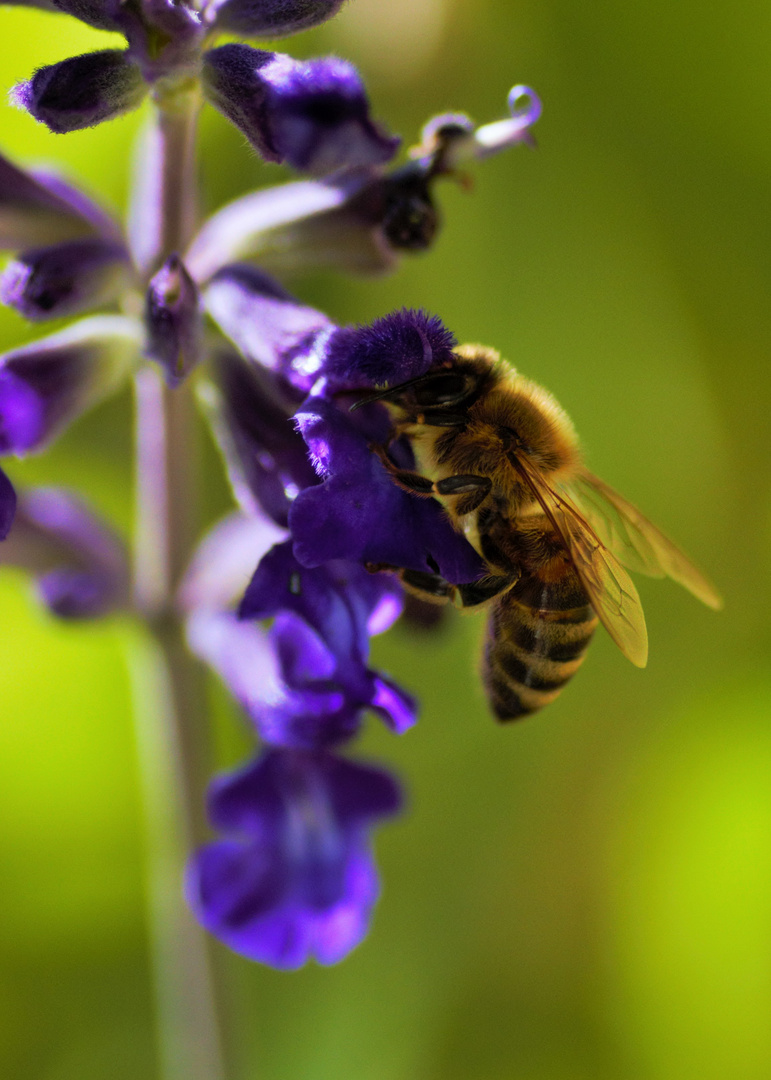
294	878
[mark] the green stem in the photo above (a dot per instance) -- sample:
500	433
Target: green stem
170	701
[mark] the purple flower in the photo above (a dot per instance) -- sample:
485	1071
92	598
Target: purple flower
48	384
312	114
297	880
66	279
80	565
305	683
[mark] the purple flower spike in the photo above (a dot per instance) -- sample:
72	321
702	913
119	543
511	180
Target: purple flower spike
80	564
394	349
67	279
82	91
46	385
359	513
267	324
313	114
273	18
266	458
173	320
299	882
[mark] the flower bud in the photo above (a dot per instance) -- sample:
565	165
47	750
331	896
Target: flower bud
79	563
66	279
173	321
82	91
48	384
273	18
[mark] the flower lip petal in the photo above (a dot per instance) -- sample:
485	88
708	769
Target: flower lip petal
82	91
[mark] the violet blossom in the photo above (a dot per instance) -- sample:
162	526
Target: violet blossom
279	601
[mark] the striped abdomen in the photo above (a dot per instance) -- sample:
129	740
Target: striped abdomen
537	637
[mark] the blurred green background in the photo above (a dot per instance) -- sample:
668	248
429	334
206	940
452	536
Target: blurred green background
586	894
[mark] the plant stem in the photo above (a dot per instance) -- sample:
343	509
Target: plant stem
169	684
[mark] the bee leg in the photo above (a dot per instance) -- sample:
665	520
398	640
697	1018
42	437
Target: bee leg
405	478
430	587
479	592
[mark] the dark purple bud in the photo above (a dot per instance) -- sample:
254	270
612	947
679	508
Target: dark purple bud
232	83
80	565
298	880
36	210
7	505
101	14
313	114
267	324
48	384
392	350
173	321
266	458
273	18
67	279
82	91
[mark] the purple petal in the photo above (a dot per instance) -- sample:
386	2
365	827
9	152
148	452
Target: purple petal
80	564
37	210
392	350
173	321
313	115
67	279
224	562
273	18
46	385
267	324
319	116
398	708
82	91
266	458
302	654
359	513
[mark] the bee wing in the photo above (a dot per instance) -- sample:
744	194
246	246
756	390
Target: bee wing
609	587
634	539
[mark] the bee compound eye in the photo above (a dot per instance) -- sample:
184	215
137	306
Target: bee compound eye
443	389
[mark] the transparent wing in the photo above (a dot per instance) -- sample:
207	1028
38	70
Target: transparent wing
609	587
635	541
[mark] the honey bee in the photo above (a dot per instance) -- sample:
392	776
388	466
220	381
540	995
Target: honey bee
503	459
